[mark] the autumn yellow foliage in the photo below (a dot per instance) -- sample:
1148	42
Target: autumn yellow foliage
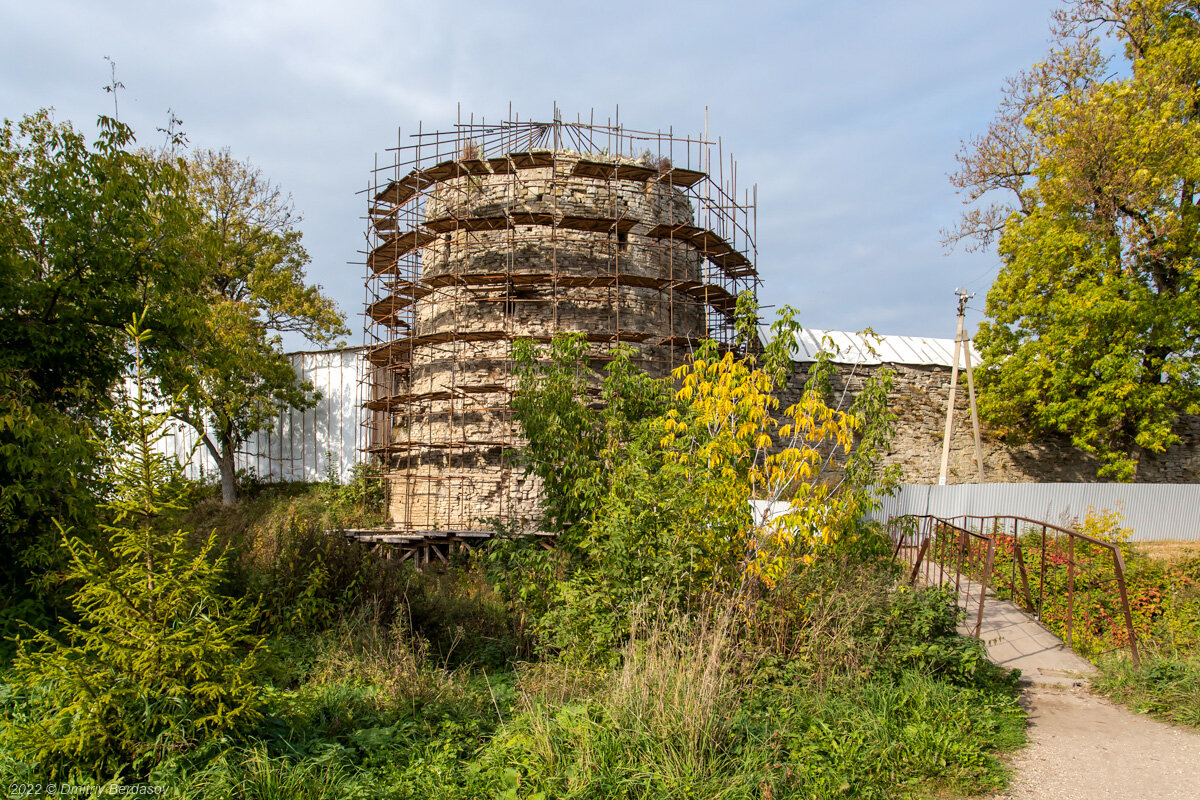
727	432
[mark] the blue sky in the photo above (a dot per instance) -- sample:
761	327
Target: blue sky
847	116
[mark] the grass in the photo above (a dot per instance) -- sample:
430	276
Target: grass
686	716
691	710
660	725
390	684
687	713
912	737
253	774
1168	551
1166	684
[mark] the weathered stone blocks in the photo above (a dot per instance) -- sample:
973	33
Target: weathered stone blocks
494	281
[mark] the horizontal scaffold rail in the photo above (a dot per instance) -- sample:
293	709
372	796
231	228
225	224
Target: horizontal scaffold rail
503	222
399	351
386	257
399	192
392	448
386	311
400	400
733	263
676	176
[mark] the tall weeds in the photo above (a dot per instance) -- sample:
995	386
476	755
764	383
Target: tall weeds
660	723
362	650
255	775
816	619
675	688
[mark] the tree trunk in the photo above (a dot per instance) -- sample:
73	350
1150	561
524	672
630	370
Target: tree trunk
229	493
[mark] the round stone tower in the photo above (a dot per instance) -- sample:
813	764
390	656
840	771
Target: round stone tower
474	252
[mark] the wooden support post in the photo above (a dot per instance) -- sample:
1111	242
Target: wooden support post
963	297
950	409
974	409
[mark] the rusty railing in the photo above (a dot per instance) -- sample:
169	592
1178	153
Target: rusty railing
1019	559
944	554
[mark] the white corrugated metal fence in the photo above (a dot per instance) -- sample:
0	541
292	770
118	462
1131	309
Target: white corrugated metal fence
299	446
1155	511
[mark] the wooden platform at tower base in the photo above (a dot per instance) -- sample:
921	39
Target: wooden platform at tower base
427	546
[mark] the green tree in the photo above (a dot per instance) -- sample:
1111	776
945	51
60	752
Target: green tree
1094	320
578	423
231	376
158	660
89	235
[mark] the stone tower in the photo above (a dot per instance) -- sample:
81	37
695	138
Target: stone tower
523	230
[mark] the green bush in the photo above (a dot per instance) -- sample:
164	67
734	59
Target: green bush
670	657
852	617
889	738
916	631
649	491
358	503
302	574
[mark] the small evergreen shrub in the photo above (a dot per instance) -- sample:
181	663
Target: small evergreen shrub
157	660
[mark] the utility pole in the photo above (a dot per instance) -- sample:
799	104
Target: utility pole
961	342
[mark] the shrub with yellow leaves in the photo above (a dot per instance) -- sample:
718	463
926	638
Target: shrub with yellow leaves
651	492
727	434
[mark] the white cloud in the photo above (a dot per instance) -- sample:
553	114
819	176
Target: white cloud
847	115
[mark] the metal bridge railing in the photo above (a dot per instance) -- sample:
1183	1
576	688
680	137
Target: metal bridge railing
1027	562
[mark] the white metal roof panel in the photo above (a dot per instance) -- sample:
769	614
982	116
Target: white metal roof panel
856	348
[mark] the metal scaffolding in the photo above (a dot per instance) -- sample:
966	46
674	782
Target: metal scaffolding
490	232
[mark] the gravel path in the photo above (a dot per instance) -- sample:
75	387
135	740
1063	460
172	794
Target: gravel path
1082	747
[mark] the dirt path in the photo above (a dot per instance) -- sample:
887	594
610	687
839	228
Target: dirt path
1082	747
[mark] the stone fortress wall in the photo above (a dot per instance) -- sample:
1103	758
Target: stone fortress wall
919	396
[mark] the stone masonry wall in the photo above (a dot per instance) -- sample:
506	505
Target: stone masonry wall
919	396
492	286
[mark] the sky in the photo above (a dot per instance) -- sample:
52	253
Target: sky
847	115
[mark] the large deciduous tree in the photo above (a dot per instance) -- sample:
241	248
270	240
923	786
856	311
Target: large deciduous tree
89	236
90	233
1094	319
232	376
